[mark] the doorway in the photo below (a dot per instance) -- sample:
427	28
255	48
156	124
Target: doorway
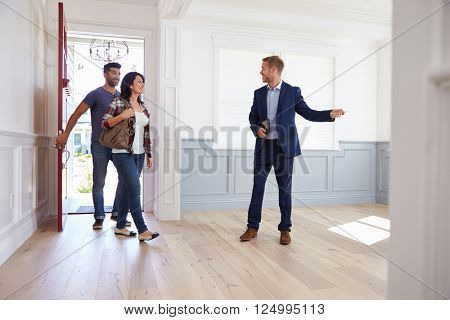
85	72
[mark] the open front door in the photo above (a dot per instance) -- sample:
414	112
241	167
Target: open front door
63	92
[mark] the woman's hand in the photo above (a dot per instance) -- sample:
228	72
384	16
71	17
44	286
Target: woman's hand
128	113
149	163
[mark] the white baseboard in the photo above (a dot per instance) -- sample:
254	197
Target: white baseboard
14	236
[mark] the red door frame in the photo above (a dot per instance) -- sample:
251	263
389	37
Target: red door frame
62	84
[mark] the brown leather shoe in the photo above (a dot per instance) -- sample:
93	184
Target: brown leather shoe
249	234
285	237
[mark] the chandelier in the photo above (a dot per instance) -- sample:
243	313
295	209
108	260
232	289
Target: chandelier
108	50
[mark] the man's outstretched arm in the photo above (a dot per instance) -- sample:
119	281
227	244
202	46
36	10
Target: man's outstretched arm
313	115
61	140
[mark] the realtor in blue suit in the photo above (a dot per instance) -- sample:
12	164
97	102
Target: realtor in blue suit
277	103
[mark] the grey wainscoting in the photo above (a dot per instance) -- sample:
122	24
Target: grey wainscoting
223	179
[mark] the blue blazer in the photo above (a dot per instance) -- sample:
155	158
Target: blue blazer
289	103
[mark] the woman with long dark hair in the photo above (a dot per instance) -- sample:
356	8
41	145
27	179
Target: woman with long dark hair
129	164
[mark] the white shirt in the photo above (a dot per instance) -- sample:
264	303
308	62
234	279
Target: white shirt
138	142
273	95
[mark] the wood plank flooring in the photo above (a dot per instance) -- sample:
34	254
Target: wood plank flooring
200	257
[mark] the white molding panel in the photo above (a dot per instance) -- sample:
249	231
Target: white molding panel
24	188
168	152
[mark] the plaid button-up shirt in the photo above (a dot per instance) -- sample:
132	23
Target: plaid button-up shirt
116	107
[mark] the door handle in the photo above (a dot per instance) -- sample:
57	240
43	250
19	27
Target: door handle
67	159
63	151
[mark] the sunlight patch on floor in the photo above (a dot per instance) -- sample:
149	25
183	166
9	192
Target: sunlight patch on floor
368	230
378	222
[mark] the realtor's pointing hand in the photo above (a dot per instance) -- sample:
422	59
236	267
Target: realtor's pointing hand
336	113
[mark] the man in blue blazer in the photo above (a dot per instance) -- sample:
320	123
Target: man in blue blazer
272	120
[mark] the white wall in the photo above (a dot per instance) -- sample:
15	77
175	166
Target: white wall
384	90
197	80
419	255
23	68
24	143
363	91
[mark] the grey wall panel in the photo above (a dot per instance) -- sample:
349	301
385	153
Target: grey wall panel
223	179
206	174
353	170
243	169
310	174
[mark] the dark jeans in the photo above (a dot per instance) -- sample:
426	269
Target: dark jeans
129	167
270	155
100	157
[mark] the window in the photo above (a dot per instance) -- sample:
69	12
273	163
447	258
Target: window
238	78
77	139
311	73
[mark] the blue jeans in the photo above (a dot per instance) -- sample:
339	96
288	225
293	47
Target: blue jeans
100	157
129	167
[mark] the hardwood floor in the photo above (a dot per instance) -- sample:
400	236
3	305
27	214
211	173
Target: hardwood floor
200	257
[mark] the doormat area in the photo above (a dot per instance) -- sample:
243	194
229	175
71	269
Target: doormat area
90	210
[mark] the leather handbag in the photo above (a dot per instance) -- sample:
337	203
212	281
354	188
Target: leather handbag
117	137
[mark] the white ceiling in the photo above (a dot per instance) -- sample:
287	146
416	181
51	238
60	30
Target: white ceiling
369	6
362	19
378	11
364	10
150	3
